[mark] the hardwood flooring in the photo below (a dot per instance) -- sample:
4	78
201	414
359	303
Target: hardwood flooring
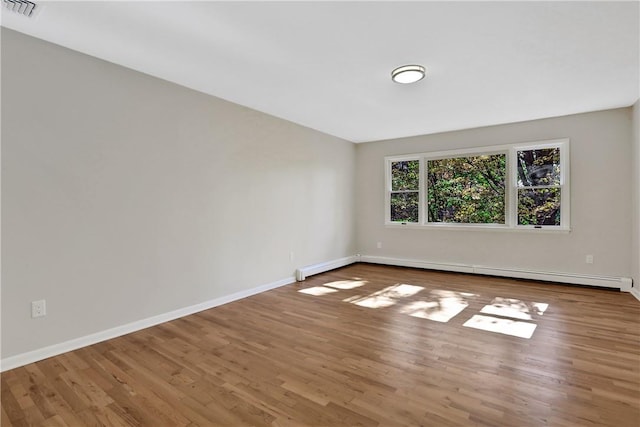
363	345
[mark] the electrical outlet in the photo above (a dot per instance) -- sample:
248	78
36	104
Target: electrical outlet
589	259
291	256
38	308
379	245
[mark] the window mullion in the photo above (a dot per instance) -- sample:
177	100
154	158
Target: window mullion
387	193
511	191
422	193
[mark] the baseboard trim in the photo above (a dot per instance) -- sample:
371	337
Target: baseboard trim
404	262
309	270
622	283
74	344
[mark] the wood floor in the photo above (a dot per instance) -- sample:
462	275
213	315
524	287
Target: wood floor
363	345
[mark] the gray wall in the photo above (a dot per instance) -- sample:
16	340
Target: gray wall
125	196
600	205
635	248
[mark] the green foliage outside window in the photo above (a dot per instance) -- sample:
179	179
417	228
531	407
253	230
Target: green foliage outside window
404	207
539	206
405	175
473	189
538	187
405	183
468	190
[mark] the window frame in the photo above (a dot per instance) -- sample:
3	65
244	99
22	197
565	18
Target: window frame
389	188
565	192
511	187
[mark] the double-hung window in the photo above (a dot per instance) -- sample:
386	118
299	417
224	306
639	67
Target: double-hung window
516	186
540	181
404	190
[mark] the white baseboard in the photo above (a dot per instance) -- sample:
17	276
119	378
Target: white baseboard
404	262
303	272
74	344
622	283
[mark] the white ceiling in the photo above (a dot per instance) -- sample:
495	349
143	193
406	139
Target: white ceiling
326	65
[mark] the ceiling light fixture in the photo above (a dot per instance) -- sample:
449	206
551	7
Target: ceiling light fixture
408	74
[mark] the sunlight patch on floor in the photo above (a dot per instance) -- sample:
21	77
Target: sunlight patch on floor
387	296
515	308
508	307
508	316
441	306
539	307
514	328
317	291
353	298
346	284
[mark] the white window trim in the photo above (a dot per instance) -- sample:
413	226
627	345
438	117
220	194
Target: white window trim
388	189
565	188
511	190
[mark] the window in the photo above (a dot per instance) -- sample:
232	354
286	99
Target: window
405	191
539	188
467	190
513	186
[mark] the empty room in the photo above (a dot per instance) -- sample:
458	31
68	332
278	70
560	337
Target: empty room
320	213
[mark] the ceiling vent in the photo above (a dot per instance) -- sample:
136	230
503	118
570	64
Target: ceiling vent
22	7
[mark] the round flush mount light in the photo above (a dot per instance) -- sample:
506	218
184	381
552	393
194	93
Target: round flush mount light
408	74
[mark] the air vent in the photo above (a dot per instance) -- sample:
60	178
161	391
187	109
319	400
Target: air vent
22	7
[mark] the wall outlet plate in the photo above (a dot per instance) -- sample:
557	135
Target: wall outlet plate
38	308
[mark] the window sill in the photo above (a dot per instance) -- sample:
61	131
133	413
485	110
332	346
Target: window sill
461	227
